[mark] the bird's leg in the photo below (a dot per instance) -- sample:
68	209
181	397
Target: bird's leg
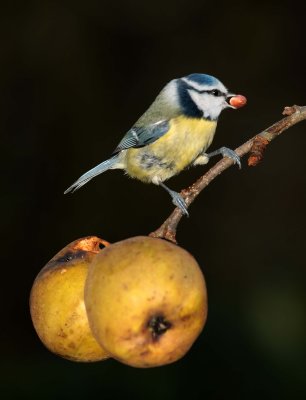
226	152
177	199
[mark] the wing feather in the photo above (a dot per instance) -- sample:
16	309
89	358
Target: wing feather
140	136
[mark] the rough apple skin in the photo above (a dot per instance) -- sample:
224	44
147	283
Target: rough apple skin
146	301
57	302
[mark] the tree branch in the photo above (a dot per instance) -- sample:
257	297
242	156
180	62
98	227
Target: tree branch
255	146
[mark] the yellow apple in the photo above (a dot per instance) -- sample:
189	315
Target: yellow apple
146	301
57	302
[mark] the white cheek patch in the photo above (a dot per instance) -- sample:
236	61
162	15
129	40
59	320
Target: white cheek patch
211	106
200	101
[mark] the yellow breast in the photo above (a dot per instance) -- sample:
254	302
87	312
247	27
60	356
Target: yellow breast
174	151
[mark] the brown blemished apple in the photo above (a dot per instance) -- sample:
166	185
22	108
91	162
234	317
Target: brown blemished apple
57	302
146	301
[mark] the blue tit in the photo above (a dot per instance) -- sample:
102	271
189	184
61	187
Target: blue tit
173	134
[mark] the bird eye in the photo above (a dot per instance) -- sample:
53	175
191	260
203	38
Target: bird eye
216	93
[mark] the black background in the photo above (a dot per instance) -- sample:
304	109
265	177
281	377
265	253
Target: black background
74	77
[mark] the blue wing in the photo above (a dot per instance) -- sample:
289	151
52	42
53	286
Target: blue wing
140	136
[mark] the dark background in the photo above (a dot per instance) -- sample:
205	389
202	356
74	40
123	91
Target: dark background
74	77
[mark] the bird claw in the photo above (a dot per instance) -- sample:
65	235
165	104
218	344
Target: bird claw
226	152
177	199
179	202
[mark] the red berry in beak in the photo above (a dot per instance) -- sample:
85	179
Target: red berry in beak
238	101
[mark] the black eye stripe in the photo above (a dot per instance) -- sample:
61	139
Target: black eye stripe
214	92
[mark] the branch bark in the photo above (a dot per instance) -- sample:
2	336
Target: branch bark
255	146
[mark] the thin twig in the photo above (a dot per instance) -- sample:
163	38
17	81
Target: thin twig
255	146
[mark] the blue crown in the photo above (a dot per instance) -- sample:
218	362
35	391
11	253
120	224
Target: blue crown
203	79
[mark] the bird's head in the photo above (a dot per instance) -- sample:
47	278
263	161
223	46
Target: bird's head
204	96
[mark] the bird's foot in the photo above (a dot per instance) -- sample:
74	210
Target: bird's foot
179	202
226	152
177	199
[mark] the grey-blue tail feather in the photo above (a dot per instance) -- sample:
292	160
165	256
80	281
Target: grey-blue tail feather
99	169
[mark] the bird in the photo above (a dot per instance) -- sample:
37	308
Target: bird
172	135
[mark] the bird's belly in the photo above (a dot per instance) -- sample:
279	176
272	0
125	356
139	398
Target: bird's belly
174	151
